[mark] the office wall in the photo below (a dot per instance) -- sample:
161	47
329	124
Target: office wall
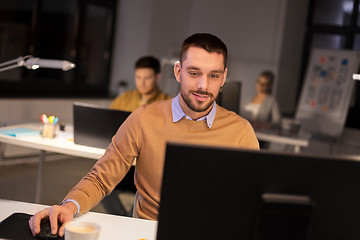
291	55
259	34
132	33
23	110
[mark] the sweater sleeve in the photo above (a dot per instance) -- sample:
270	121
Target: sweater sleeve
111	168
249	139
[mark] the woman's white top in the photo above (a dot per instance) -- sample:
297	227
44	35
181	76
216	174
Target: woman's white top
253	109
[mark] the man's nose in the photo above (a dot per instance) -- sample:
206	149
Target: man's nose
203	83
142	80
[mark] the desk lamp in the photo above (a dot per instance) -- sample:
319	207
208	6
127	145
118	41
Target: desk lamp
31	62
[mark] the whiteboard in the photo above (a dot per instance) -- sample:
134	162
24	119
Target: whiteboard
326	93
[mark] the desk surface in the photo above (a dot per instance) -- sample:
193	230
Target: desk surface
63	142
301	139
112	227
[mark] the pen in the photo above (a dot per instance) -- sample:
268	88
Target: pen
51	119
44	119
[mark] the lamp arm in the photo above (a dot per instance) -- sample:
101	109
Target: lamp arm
18	62
30	62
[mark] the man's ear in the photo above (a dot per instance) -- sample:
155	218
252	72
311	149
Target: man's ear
177	70
224	77
158	77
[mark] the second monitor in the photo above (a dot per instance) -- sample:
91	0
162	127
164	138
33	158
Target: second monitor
95	126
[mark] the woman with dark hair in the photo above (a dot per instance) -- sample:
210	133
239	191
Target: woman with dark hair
262	109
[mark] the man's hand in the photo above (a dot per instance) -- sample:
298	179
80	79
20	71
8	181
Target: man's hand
57	214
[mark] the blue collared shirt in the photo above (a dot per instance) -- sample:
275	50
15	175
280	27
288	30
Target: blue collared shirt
178	113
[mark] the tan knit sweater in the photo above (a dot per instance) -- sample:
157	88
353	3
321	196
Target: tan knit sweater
144	135
131	100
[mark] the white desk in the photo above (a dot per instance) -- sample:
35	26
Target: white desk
300	140
63	143
112	227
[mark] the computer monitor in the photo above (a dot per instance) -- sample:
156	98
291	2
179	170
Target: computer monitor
222	193
229	96
94	125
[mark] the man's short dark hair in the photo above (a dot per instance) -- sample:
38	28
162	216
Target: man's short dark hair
148	62
206	41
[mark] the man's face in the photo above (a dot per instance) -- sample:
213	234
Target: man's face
200	75
146	80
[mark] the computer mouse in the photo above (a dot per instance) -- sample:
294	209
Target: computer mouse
45	231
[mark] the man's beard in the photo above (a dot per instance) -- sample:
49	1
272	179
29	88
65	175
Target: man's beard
150	91
200	107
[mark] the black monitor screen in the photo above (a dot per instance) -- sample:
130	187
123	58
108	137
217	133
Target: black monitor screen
94	125
229	96
220	193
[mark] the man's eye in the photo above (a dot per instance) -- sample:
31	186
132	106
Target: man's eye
194	74
214	76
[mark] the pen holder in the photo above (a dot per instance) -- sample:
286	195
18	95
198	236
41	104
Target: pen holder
48	130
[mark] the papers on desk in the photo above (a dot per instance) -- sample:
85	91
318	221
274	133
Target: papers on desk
20	132
62	135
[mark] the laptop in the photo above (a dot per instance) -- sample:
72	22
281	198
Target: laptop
94	125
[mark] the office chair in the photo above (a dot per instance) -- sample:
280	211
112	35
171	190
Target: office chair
112	203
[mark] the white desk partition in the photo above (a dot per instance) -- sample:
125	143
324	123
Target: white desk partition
112	227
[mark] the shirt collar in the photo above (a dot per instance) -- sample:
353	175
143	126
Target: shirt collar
178	113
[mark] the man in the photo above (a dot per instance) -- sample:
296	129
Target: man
191	117
147	76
